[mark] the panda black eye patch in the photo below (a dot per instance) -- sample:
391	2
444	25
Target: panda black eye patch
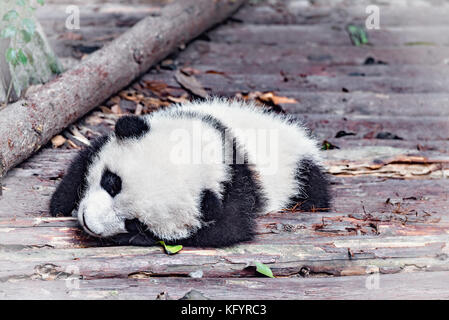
111	182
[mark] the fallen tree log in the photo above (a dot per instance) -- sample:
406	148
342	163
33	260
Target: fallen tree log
45	110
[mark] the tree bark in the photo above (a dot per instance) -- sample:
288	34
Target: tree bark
45	110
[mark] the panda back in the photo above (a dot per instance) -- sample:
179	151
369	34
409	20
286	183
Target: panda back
276	145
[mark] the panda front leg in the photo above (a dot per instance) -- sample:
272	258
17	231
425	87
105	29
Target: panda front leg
229	220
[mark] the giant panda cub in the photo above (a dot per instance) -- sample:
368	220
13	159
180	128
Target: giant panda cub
195	174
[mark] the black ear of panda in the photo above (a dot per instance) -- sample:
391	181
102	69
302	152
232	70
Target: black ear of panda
131	127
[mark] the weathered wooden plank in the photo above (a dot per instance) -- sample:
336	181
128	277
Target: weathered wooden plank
263	54
303	70
234	83
388	4
422	285
288	13
368	103
407	146
336	255
367	127
329	35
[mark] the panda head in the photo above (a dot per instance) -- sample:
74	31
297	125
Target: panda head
114	179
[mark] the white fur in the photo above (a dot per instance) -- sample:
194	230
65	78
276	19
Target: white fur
164	172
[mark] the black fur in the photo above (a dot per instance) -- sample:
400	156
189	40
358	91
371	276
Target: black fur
111	182
138	235
72	187
131	127
230	220
315	193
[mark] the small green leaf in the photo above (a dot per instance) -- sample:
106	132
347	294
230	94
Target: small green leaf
41	2
22	57
26	36
326	145
11	56
10	15
358	35
9	32
28	25
171	249
263	269
21	2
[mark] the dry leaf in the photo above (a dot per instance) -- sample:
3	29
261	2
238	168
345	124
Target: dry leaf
138	110
153	103
58	141
115	100
105	110
116	109
271	97
131	96
182	99
188	71
73	145
218	72
156	87
191	84
79	136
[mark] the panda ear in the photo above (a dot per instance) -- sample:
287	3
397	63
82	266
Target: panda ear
131	127
72	187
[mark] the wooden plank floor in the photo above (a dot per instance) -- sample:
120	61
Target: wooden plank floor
387	235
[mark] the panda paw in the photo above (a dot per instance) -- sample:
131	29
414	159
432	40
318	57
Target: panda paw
137	235
61	203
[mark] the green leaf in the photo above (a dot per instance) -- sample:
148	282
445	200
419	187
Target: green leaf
358	35
9	32
22	57
28	25
263	269
10	15
11	56
26	36
171	249
41	2
21	2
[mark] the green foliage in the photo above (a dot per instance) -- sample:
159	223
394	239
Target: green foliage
263	269
21	57
26	36
11	56
358	35
9	32
18	26
28	25
171	249
10	15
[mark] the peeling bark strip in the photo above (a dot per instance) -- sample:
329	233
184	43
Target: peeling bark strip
31	122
